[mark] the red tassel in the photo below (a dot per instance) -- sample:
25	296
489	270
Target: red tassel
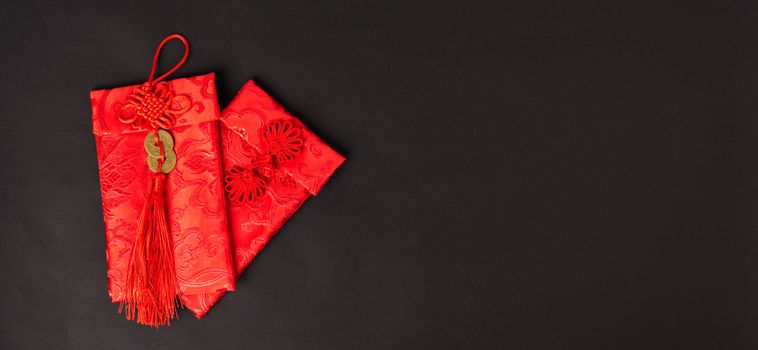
151	286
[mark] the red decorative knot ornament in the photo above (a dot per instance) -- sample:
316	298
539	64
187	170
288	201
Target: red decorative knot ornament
155	106
151	284
247	183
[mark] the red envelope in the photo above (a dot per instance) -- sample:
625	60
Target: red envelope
194	193
272	164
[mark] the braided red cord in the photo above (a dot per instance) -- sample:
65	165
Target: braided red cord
150	80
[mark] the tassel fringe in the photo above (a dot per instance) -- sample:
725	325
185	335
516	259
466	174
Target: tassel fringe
151	285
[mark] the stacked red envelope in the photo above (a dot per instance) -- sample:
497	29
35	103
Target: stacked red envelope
194	190
173	213
272	163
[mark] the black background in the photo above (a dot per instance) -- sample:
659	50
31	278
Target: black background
520	175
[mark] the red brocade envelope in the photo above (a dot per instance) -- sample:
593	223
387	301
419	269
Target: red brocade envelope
194	190
272	164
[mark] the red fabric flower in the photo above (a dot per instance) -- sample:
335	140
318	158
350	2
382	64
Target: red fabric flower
283	140
248	183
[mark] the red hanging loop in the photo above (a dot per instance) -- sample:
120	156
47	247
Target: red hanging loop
150	80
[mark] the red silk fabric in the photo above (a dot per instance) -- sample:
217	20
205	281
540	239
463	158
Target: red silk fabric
195	198
253	131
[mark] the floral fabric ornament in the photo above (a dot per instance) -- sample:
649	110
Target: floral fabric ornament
272	164
163	194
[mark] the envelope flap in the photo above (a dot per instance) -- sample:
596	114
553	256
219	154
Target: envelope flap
271	130
195	97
